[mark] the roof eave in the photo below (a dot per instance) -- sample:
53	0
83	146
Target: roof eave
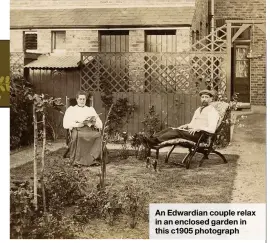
100	26
52	68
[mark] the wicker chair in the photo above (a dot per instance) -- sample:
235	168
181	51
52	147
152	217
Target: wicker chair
205	148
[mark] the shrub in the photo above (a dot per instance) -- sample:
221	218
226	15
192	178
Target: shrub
26	223
121	110
49	227
21	130
22	211
112	207
64	185
110	203
90	206
135	202
152	122
99	203
141	151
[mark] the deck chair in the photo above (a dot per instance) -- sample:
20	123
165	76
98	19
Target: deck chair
72	102
205	148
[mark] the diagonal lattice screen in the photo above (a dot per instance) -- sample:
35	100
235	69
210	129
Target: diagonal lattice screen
182	72
152	72
16	63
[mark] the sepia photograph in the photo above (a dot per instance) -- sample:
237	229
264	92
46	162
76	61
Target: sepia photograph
119	104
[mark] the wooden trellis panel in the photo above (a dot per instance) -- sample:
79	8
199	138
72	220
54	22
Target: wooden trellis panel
212	43
153	72
167	80
183	72
16	63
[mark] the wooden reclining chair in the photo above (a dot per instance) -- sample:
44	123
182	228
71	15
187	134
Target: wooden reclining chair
205	148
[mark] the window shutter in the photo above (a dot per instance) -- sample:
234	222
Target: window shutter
30	41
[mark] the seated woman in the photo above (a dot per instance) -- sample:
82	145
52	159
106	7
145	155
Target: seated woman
85	125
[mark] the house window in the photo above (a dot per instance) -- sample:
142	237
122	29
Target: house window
160	40
30	41
58	40
114	41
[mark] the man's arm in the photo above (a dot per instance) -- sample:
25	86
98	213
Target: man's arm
188	125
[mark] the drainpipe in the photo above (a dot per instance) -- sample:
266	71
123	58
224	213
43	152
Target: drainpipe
212	15
212	40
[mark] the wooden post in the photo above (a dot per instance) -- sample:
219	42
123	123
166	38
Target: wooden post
35	155
103	148
229	66
43	163
212	41
229	61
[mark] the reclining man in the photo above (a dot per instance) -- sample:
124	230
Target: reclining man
205	118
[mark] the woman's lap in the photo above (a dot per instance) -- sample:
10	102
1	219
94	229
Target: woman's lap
85	146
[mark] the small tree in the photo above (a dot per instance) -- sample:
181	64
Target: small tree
104	139
121	110
40	104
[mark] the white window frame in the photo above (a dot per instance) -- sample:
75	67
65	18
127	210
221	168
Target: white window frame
55	50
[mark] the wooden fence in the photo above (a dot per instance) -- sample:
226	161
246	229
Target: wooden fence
59	83
168	81
172	109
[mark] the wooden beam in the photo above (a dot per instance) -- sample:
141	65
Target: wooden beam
240	31
246	21
228	63
262	27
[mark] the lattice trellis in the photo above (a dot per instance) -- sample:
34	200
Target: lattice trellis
16	63
105	69
183	72
215	41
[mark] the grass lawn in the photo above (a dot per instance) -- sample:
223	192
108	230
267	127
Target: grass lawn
211	183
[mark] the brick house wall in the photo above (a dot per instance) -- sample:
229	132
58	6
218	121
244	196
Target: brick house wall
200	19
136	36
244	9
249	10
88	39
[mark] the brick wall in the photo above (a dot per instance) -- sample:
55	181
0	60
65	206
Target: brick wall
136	71
183	39
200	18
44	41
95	3
250	10
244	9
16	41
136	40
76	41
82	41
258	69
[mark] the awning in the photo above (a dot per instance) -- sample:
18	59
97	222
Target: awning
47	62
